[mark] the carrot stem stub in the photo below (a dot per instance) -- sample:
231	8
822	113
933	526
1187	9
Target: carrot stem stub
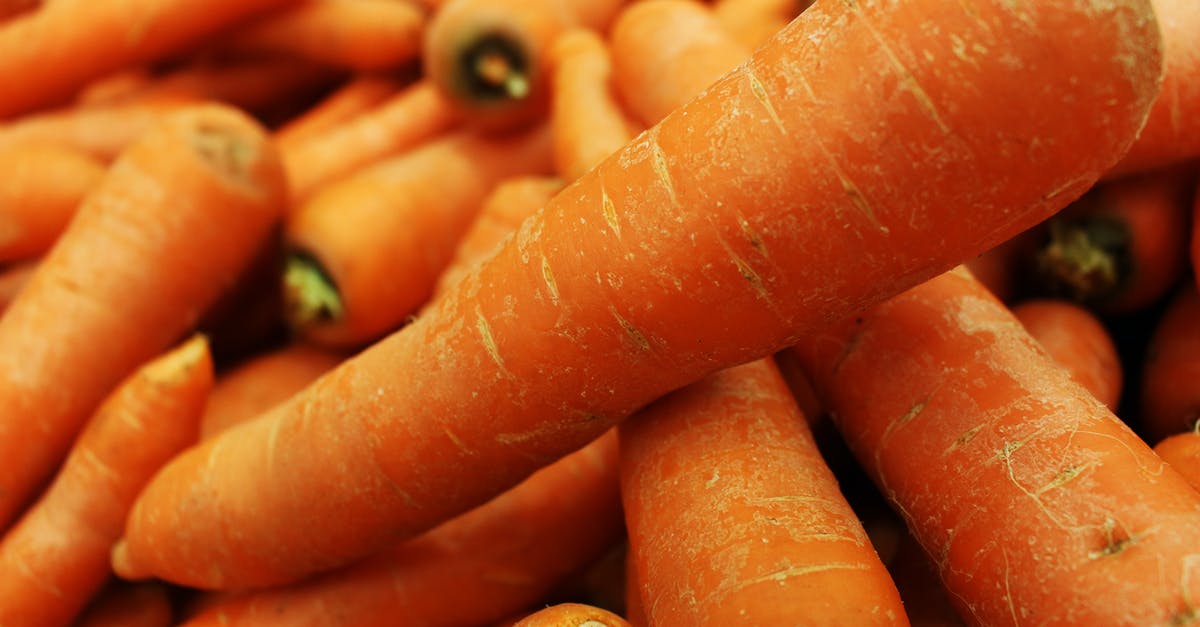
494	67
310	295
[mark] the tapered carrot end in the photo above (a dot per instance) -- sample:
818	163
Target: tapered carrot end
181	363
123	564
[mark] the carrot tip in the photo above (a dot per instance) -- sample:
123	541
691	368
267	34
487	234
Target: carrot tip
123	564
310	297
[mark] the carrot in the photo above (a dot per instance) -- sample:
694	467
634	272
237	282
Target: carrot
412	116
57	557
13	278
1182	452
788	549
40	190
262	382
1121	246
572	615
487	563
1170	399
1076	340
120	86
665	52
362	35
1172	131
490	57
353	98
170	226
696	247
366	251
506	207
587	121
129	605
1035	502
53	52
752	22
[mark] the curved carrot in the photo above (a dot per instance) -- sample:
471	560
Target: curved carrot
1035	501
353	98
587	121
173	222
572	615
489	562
665	52
1172	132
1121	246
695	247
362	35
56	50
1170	398
39	192
262	382
366	251
57	557
788	549
491	56
1076	340
1182	452
504	209
129	605
753	22
401	122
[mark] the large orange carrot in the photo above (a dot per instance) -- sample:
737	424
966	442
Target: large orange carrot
367	250
129	605
665	52
756	213
363	35
101	131
171	225
572	615
752	22
1076	340
787	550
57	557
403	121
479	567
587	121
56	50
261	382
39	192
1172	132
506	207
1036	503
354	98
1170	398
491	57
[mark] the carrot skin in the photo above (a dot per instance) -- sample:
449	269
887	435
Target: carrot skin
1075	339
1182	452
1170	398
209	187
39	193
355	97
752	22
665	263
1036	503
57	557
572	615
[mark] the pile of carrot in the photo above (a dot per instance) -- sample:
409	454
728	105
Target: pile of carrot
599	312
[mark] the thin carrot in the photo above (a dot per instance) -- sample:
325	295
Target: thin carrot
412	116
1182	452
753	22
53	52
173	222
366	251
57	557
261	382
788	549
1076	340
696	247
1035	501
587	121
483	565
1121	246
490	57
13	278
355	97
1172	132
124	604
665	52
39	192
572	615
506	207
361	35
1170	398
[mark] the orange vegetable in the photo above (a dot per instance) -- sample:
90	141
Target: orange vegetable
1035	501
788	548
753	22
171	225
572	615
353	98
57	557
39	192
1076	340
708	241
1170	397
1182	452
